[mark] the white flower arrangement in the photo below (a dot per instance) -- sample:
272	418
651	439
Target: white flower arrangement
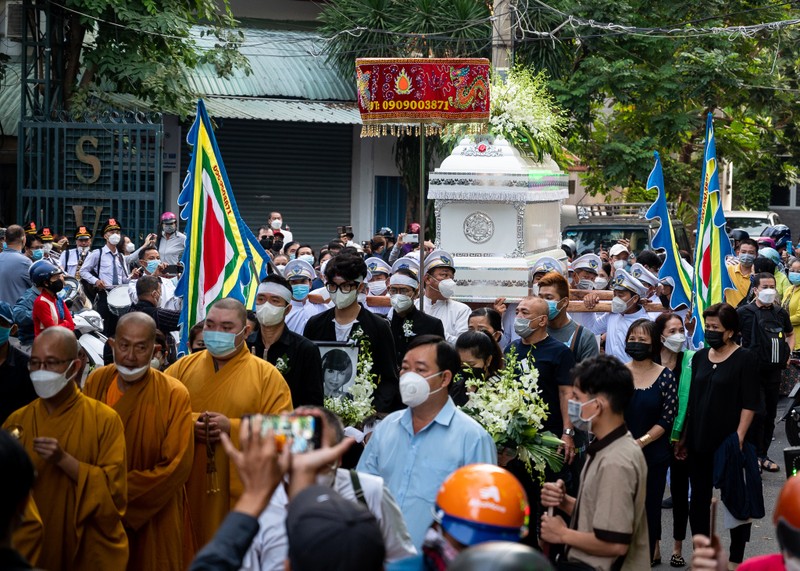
356	406
523	111
408	330
510	408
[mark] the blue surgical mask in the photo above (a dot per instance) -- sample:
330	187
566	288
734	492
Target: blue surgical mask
5	333
552	309
794	278
307	258
292	256
300	291
5	246
38	254
575	413
220	343
152	266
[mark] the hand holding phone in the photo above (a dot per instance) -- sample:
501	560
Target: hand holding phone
411	238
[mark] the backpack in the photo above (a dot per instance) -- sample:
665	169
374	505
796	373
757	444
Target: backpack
767	339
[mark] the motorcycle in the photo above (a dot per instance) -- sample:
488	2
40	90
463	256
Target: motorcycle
88	323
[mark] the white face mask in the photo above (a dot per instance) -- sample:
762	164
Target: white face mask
767	296
83	249
48	384
414	388
155	364
343	300
535	290
447	288
600	283
130	248
268	314
114	239
128	375
377	288
47	248
675	342
618	305
586	284
619	264
401	302
276	224
280	268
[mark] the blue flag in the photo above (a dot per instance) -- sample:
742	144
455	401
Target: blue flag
665	238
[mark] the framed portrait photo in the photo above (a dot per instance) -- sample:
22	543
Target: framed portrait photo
339	367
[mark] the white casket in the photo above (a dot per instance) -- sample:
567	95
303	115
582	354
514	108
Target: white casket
496	213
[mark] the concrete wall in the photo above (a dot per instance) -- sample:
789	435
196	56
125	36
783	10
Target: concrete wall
372	156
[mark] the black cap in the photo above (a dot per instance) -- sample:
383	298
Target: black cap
329	533
500	556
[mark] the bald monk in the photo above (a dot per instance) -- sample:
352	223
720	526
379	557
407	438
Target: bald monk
225	382
77	446
157	414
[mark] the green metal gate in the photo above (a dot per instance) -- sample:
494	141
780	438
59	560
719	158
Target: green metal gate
80	171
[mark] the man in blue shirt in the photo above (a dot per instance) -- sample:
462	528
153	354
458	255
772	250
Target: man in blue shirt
14	266
414	450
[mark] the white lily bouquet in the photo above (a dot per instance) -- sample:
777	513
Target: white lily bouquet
510	408
356	406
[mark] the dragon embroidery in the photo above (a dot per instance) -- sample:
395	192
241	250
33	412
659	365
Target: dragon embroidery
466	94
363	88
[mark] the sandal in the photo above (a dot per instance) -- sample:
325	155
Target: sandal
677	561
769	465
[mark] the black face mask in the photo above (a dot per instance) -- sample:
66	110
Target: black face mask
55	287
276	246
474	372
638	351
266	242
252	338
714	339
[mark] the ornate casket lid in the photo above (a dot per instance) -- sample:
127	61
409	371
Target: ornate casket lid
485	170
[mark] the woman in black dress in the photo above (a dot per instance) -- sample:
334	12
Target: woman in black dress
676	358
723	398
649	417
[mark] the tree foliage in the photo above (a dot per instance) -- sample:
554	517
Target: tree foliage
142	47
629	94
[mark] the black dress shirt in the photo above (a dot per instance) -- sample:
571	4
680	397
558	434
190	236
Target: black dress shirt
302	365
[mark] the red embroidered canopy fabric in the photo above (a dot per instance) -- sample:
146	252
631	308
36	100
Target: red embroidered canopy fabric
420	90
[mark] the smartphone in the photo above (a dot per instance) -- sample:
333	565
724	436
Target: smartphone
305	431
174	269
411	238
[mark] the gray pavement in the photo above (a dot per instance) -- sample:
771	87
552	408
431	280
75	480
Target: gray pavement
762	538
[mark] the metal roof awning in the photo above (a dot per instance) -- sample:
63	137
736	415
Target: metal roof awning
258	108
284	110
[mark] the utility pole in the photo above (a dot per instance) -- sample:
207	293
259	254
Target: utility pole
501	35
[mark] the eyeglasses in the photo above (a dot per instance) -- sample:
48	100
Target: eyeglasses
47	365
344	288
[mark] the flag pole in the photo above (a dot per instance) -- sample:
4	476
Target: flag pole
423	218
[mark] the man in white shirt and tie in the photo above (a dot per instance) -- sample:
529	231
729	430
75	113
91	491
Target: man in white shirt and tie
439	285
106	269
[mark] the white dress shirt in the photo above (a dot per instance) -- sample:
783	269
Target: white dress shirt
454	315
270	546
167	300
69	261
300	314
104	267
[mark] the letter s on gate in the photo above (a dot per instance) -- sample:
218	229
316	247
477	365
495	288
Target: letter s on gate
91	160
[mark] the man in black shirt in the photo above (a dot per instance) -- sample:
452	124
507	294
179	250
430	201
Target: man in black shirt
148	290
407	321
295	357
345	275
16	389
752	317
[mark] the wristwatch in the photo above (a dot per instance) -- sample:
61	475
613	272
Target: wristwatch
569	432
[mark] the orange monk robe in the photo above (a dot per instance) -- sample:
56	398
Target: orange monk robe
245	385
157	415
82	520
29	536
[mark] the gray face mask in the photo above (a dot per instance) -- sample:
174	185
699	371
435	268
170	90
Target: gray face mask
747	259
574	410
586	284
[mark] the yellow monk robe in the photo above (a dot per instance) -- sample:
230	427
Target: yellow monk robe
157	415
82	520
28	538
245	385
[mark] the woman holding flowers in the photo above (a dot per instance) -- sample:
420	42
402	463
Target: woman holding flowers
481	359
649	417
